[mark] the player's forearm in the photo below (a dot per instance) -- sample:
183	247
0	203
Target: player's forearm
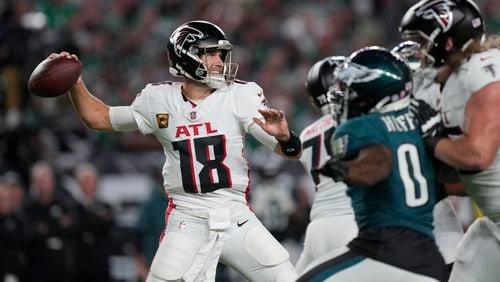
92	111
365	174
371	166
462	154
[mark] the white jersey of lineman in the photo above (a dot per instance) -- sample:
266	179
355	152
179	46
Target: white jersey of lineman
205	165
332	218
331	197
426	89
480	70
448	230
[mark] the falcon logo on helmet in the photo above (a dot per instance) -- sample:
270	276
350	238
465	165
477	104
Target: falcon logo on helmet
185	34
439	10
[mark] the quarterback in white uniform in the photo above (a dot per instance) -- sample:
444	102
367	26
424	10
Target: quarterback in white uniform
201	124
332	219
452	34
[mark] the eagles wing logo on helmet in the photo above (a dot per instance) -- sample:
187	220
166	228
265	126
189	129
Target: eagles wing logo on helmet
355	73
183	35
439	10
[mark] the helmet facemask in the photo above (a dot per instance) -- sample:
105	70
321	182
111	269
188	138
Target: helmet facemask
336	97
427	43
214	76
412	53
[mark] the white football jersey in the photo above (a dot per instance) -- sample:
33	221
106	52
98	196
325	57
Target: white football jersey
331	197
205	164
481	69
447	229
426	89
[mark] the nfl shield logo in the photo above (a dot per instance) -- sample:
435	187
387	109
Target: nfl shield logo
192	115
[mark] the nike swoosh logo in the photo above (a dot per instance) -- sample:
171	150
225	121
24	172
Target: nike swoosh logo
241	223
260	94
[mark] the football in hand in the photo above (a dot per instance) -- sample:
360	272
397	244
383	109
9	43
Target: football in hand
54	77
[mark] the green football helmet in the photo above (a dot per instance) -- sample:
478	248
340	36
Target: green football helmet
375	78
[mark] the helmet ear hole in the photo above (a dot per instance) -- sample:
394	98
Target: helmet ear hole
448	44
200	72
194	50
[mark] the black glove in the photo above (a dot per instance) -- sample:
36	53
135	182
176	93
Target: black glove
333	168
431	124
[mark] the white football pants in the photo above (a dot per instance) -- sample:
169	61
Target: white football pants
478	255
325	234
195	240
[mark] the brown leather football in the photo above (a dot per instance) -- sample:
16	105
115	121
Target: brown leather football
54	77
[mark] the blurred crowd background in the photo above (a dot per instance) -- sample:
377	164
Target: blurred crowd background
80	205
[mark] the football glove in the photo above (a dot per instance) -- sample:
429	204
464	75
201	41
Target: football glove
430	122
333	168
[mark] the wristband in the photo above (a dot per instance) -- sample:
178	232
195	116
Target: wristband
293	146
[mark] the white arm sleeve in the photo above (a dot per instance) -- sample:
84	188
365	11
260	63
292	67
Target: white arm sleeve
267	140
122	119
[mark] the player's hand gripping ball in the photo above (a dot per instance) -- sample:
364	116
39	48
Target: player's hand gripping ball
54	76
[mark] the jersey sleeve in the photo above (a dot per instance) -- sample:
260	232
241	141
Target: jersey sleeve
250	98
142	112
484	68
354	135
